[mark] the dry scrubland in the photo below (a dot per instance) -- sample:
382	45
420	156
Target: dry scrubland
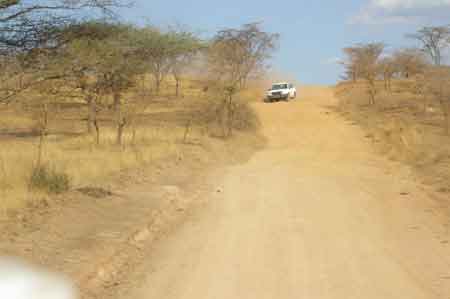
166	130
84	96
402	97
403	126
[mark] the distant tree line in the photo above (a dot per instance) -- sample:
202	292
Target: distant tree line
425	65
61	50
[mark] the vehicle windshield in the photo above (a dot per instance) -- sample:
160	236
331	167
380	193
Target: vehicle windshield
279	86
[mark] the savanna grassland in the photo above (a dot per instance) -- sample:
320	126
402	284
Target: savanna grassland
165	130
110	132
402	99
84	98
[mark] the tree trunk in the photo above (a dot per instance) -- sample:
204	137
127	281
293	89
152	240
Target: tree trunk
158	86
187	129
387	82
91	113
437	58
447	117
177	87
120	120
425	104
120	128
158	79
40	148
230	115
42	133
243	83
133	132
220	116
116	101
97	131
372	92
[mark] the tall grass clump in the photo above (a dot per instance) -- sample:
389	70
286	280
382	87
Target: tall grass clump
50	180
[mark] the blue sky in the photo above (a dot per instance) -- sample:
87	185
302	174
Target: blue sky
312	32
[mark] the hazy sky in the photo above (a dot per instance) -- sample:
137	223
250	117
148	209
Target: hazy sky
312	32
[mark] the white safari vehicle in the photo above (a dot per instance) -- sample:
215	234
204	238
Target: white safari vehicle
281	91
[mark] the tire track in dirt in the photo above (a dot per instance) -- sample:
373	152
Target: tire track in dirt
316	214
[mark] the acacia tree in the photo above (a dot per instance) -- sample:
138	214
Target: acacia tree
438	81
100	62
387	68
433	40
45	109
412	64
363	62
97	60
157	49
351	64
118	67
25	25
409	62
80	59
45	95
30	29
186	48
233	56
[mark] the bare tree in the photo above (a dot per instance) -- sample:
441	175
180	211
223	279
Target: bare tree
156	48
81	60
44	105
233	56
187	47
363	63
409	62
433	41
117	70
33	29
387	68
99	62
238	53
438	80
25	25
351	64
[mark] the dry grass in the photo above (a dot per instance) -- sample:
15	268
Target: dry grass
403	127
81	160
163	132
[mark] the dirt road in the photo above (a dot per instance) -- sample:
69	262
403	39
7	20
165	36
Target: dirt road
316	214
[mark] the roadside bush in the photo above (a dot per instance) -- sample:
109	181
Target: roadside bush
245	118
219	117
49	180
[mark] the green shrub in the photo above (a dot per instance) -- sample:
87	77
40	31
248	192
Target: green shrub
50	180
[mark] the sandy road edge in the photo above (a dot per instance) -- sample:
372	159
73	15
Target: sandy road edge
99	251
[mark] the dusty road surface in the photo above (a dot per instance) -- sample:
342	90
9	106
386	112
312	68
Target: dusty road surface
316	214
